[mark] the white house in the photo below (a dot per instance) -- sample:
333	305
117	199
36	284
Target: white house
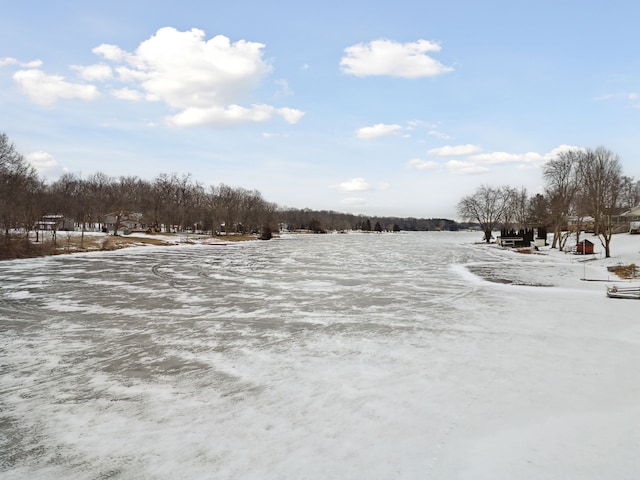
629	220
128	221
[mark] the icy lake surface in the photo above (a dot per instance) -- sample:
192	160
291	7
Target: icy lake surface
313	357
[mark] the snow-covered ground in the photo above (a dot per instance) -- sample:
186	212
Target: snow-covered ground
405	356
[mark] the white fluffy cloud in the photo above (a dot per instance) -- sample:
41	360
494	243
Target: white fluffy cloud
454	151
531	159
46	89
290	115
206	80
32	64
419	164
559	149
8	61
128	94
476	163
496	158
45	164
186	71
440	135
233	114
473	162
92	73
386	57
358	184
377	131
458	167
14	61
110	52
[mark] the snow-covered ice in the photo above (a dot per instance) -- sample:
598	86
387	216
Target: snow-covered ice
362	356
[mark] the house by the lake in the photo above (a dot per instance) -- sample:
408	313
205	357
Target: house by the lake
127	222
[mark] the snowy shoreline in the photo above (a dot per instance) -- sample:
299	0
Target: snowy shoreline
569	270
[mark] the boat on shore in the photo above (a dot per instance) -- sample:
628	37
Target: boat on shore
623	292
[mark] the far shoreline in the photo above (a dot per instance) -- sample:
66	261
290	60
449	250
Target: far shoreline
72	242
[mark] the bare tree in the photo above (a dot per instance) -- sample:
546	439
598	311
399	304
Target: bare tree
227	202
488	206
99	186
162	193
197	211
176	201
182	198
516	212
18	180
66	196
125	198
629	193
600	177
561	187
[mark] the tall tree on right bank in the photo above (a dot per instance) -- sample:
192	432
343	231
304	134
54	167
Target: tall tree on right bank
630	193
600	177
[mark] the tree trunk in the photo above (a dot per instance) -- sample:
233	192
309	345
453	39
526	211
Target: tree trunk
556	237
116	226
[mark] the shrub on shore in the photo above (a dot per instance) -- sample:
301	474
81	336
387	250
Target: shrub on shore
626	272
17	246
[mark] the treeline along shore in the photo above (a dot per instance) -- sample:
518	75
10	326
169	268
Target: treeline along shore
170	203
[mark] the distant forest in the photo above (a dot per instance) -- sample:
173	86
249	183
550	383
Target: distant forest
323	220
170	202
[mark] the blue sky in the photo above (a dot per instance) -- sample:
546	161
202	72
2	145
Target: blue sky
380	108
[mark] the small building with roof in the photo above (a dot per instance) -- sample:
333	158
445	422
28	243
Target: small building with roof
584	247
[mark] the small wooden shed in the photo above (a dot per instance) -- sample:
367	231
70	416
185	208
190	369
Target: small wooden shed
585	247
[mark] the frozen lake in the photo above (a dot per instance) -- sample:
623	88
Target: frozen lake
358	356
